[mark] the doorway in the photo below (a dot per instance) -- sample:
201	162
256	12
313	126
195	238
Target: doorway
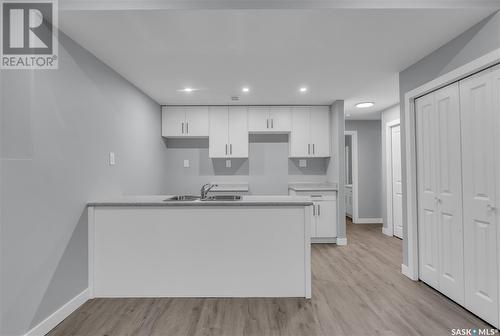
351	174
394	179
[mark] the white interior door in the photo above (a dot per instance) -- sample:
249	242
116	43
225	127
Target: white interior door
426	120
397	185
449	193
480	215
218	132
238	131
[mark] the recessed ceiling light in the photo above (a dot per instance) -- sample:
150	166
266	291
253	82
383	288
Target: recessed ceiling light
365	105
245	89
187	89
303	89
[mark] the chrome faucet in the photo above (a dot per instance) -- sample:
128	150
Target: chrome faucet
205	189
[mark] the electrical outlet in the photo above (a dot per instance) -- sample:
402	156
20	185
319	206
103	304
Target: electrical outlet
228	163
112	160
186	163
302	163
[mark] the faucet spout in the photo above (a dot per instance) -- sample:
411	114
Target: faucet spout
205	189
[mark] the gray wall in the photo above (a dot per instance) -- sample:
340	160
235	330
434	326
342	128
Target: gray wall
267	170
477	41
58	127
369	166
388	115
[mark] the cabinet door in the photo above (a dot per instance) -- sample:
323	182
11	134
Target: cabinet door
218	132
300	145
238	132
479	151
326	219
427	170
320	132
280	119
173	121
196	121
449	193
258	119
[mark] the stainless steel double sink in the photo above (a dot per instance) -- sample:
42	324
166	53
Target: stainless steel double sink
192	198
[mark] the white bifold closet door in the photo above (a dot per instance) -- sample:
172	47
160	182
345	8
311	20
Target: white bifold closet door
480	108
440	224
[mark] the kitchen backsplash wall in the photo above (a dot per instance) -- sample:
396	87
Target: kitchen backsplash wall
267	170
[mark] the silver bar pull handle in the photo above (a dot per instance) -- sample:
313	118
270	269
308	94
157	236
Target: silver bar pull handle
314	210
182	128
226	149
267	123
187	128
231	149
272	123
319	210
314	152
309	149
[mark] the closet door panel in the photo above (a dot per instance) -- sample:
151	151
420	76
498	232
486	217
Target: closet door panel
496	113
428	229
449	193
480	222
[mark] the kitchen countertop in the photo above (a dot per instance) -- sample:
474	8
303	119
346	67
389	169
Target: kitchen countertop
271	200
325	186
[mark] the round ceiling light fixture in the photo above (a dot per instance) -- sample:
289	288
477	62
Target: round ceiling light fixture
187	89
245	89
365	105
303	89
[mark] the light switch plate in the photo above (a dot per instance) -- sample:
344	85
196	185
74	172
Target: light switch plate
228	163
112	160
186	163
302	163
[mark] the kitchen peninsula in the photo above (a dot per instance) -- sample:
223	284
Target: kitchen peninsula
257	246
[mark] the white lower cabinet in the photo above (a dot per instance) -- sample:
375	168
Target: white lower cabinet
458	170
324	221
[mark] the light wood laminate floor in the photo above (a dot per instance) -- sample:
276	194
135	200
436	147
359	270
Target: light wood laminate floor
358	289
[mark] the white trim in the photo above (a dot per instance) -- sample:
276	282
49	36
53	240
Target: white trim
406	271
341	241
355	156
410	158
59	315
366	220
387	232
388	174
323	240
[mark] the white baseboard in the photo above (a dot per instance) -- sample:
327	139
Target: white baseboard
59	315
368	220
341	241
315	240
406	272
387	231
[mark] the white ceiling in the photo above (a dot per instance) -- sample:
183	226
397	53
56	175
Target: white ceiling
347	54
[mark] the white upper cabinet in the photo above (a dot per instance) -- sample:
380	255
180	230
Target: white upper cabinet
185	121
310	134
228	132
269	119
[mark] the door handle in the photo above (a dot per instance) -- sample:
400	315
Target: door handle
231	149
182	128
